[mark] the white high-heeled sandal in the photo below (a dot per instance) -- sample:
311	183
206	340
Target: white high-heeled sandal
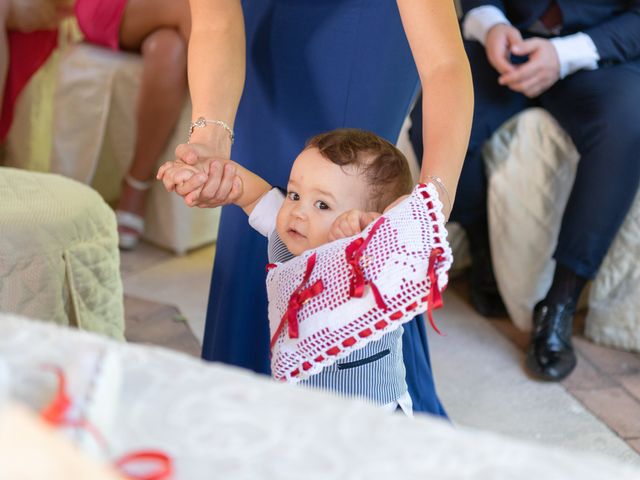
128	240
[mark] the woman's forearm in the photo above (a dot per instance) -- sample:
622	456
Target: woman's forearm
434	36
447	108
216	68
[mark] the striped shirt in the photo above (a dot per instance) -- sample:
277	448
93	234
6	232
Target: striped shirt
375	372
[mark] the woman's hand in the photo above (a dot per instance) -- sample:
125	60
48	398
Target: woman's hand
201	178
351	223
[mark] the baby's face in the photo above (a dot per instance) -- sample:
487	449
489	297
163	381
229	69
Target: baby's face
317	193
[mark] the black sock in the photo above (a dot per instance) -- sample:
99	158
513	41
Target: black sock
481	264
566	287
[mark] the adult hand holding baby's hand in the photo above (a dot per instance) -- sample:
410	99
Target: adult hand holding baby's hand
200	177
351	223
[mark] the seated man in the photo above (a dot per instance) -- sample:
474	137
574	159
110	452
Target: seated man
581	62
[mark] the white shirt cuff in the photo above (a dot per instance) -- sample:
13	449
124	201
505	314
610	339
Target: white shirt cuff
263	216
576	52
478	21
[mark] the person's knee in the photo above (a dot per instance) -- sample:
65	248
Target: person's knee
167	46
4	13
623	115
615	129
617	103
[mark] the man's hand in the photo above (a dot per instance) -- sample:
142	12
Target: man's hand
499	43
351	223
539	73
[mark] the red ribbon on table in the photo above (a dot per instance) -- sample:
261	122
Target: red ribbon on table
358	282
299	297
56	414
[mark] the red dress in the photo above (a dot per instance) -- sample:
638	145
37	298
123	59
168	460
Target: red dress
100	21
27	53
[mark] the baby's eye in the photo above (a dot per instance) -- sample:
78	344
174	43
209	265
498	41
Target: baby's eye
321	205
293	196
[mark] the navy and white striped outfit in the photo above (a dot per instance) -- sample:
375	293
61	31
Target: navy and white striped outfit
375	372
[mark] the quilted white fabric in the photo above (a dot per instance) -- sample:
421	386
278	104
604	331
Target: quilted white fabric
337	298
59	258
531	164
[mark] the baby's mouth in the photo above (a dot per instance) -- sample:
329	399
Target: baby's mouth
295	234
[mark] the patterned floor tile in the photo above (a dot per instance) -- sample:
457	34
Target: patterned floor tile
157	324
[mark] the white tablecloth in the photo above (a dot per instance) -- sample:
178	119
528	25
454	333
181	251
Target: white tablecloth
221	422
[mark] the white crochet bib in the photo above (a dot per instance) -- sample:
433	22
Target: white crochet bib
334	299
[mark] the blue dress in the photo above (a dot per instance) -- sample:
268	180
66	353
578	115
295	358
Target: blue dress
312	66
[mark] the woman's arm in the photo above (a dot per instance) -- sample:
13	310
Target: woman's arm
434	37
216	69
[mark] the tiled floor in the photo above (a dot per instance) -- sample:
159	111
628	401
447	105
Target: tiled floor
606	381
165	304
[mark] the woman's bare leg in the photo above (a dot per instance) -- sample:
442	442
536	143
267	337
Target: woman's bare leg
159	30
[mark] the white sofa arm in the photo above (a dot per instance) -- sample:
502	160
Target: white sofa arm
531	164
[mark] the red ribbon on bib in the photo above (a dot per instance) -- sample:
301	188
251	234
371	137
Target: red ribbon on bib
299	297
354	253
435	295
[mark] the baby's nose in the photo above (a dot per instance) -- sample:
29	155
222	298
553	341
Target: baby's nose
299	211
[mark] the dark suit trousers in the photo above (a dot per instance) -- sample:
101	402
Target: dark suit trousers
600	110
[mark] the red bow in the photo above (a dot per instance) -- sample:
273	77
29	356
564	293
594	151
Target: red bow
299	297
435	296
56	414
354	253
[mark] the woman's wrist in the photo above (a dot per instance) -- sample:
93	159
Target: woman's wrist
216	138
443	193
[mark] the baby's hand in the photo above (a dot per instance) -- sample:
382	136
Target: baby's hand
351	223
176	173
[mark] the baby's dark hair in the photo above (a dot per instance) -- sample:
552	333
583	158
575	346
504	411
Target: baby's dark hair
384	167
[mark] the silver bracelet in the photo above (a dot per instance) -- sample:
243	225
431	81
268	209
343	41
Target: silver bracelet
202	122
437	181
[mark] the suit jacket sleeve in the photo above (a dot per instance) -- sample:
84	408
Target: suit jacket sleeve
471	4
618	39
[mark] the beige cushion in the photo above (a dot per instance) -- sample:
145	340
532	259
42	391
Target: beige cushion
59	258
531	162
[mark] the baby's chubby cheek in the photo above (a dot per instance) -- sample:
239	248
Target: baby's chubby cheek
293	244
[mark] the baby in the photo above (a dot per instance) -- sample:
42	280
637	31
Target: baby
340	182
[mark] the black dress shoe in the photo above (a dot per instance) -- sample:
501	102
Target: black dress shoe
483	290
550	356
